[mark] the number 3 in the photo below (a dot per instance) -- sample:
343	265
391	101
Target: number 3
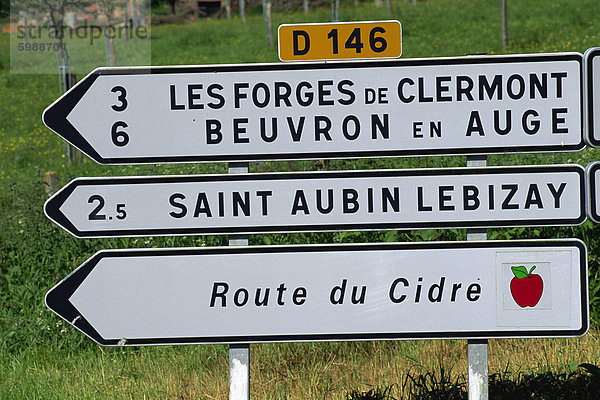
121	98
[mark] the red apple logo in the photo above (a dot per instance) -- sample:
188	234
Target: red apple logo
526	288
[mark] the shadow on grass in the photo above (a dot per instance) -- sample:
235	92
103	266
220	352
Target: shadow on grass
582	384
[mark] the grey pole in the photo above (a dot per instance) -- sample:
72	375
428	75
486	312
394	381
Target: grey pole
477	349
239	354
504	23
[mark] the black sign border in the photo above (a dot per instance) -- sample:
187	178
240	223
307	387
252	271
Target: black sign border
53	204
55	116
592	206
57	298
589	86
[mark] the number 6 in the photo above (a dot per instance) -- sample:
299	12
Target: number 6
119	138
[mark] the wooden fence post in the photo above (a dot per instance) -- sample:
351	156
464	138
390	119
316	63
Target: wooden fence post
51	182
504	22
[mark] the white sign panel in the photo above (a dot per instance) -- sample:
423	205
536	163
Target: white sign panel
313	201
592	87
406	107
341	292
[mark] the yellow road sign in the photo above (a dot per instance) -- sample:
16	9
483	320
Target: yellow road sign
340	41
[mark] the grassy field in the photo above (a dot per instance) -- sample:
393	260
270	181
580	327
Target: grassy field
43	358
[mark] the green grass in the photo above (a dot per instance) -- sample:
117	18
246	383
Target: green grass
41	357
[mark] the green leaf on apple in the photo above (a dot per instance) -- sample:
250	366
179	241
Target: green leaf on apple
521	272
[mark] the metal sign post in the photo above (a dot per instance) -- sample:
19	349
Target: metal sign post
477	349
239	353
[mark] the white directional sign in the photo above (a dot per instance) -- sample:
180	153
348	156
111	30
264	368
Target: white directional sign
405	107
309	201
593	191
340	292
592	85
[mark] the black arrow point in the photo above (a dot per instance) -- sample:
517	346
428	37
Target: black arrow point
57	300
55	117
53	212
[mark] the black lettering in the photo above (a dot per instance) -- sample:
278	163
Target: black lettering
455	288
299	296
305	99
237	94
557	193
533	197
512	189
280	289
337	293
239	130
351	96
202	206
174	106
418	291
393	298
296	34
530	127
358	299
417	125
356	131
264	195
382	127
420	205
520	86
475	124
535	85
285	96
266	95
495	87
462	90
240	302
213	131
194	96
322	130
181	206
401	95
323	92
263	130
296	132
300	203
239	204
443	198
392	200
558	77
470	198
556	119
215	293
221	204
211	91
422	97
508	124
329	208
264	301
440	290
441	88
350	201
474	292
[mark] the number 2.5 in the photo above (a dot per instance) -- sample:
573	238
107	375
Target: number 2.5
96	215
